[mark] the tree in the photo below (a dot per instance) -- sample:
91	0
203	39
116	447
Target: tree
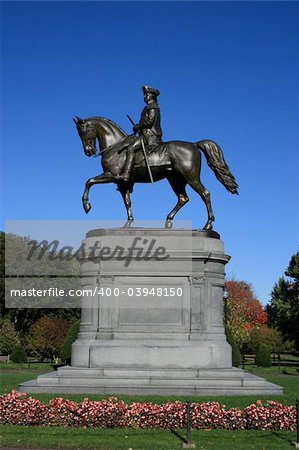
18	355
283	309
236	355
66	349
243	311
17	249
9	339
270	337
293	267
47	335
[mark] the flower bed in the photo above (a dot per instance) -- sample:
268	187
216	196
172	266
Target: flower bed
18	409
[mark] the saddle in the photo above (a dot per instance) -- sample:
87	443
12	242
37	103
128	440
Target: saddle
156	154
125	143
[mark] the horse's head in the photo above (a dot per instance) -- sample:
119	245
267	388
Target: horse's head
88	134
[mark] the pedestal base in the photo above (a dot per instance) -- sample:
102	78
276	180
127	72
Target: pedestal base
152	354
153	325
136	381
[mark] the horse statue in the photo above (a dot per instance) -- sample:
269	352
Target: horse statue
177	161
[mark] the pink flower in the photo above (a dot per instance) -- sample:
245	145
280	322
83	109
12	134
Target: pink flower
17	408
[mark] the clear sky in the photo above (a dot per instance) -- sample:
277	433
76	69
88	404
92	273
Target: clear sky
227	71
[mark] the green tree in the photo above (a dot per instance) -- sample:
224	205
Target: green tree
17	249
283	309
293	268
9	338
270	337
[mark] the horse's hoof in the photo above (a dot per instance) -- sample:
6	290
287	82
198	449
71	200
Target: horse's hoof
87	207
208	226
168	223
128	223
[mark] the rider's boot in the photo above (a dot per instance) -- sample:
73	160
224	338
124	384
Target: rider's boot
126	175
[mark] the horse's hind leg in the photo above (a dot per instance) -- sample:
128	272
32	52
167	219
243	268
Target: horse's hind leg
125	192
103	178
205	195
178	185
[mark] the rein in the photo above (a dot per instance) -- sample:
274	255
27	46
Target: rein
100	152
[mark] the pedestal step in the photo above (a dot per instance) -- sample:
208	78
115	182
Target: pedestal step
112	372
152	382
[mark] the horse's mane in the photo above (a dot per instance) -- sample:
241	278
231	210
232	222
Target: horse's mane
109	122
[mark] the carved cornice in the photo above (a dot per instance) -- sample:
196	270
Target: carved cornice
197	278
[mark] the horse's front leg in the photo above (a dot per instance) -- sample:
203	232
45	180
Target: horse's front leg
103	178
125	192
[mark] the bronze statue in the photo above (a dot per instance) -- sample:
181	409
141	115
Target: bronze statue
150	131
128	159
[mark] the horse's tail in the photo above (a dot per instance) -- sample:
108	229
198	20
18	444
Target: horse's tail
216	162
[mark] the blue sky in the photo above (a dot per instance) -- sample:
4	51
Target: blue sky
227	71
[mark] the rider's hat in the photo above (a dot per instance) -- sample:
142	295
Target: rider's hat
150	90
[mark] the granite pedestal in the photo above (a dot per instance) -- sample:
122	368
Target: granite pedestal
152	319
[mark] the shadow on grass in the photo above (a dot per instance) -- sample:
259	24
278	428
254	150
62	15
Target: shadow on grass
284	438
178	435
285	372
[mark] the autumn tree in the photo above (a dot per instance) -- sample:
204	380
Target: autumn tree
46	336
283	309
243	311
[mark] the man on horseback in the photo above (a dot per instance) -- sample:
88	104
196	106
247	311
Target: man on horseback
178	161
149	129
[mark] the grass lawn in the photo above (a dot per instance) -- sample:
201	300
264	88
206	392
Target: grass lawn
124	439
28	367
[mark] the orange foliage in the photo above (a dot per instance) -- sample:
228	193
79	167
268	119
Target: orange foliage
245	312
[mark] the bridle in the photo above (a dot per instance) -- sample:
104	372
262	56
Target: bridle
98	152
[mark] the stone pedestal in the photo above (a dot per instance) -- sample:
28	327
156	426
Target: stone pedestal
152	318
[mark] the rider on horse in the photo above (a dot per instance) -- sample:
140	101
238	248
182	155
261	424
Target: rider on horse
149	129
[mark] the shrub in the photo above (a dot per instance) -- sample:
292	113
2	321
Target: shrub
263	356
66	349
18	355
236	355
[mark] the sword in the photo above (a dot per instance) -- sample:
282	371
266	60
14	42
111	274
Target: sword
143	151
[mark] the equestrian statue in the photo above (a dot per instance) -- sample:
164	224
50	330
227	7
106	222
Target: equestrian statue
142	157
